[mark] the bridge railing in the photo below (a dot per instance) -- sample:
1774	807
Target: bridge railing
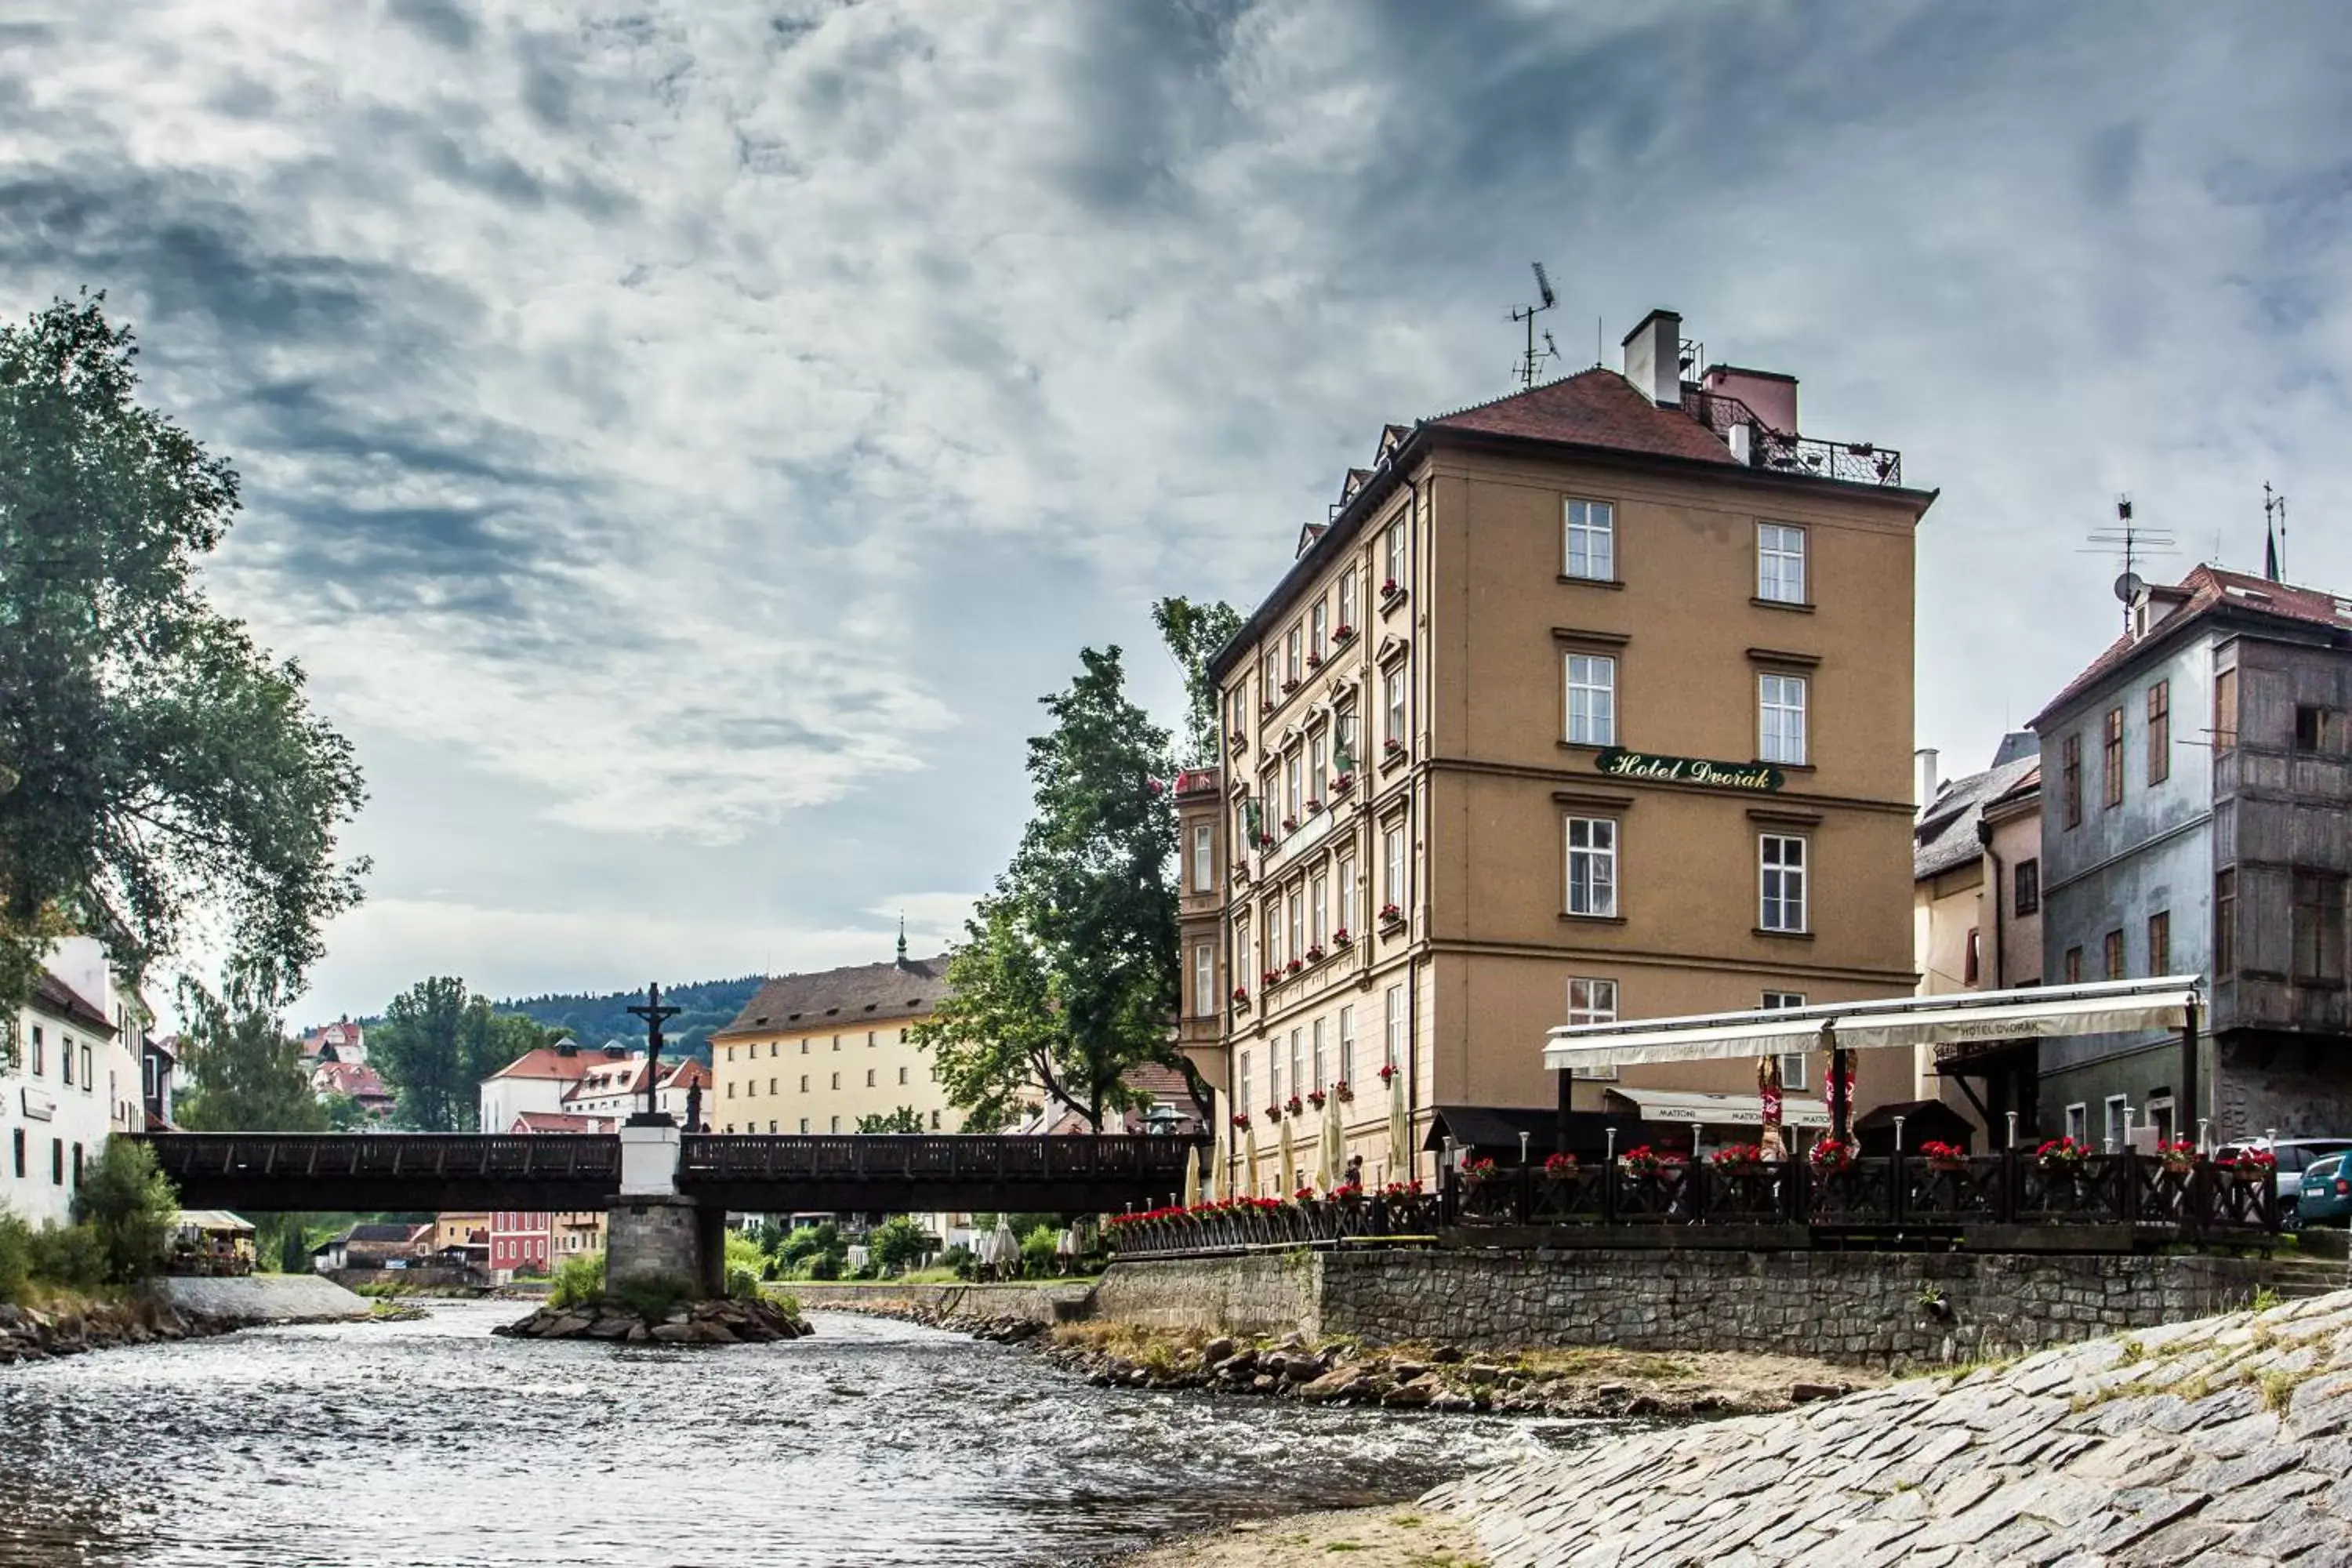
947	1157
555	1157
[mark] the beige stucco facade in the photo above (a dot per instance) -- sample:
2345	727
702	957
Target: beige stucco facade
813	1053
1453	692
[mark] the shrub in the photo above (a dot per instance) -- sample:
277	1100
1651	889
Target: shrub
578	1280
822	1265
962	1259
1037	1252
743	1266
15	1256
650	1296
71	1256
129	1209
898	1244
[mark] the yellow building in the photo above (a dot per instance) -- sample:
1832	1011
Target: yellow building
1592	702
813	1053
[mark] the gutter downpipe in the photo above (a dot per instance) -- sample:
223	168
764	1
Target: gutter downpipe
1412	817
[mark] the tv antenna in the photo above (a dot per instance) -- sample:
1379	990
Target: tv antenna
2133	544
2273	548
1533	362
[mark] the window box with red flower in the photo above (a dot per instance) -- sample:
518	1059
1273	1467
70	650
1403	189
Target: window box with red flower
2063	1156
1292	1107
1315	955
1644	1161
1340	937
1273	977
1266	840
1317	1097
1390	915
1241	1121
1290	825
1297	965
1831	1154
2251	1165
1392	748
1341	784
2179	1156
1291	684
1241	998
1741	1159
1391	591
1313	806
1943	1156
1388	1073
1314	661
1480	1171
1274	1112
1560	1167
1342	632
1342	1093
1236	743
1303	1196
1264	706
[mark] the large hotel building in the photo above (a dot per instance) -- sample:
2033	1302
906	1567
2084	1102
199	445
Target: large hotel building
1594	702
815	1053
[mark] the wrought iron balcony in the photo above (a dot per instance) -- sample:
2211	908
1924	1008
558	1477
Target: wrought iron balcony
1852	462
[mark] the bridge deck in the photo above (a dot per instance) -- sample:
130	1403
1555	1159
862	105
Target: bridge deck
262	1172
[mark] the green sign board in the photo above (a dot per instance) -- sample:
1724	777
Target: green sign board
1759	778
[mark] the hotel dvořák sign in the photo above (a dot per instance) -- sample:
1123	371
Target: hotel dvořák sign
1755	778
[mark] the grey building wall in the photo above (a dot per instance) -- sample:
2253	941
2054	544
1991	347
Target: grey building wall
2151	853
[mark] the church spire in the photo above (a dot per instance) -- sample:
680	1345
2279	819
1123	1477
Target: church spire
902	942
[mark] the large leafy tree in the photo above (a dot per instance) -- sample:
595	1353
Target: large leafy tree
1068	976
1194	633
245	1075
436	1043
159	772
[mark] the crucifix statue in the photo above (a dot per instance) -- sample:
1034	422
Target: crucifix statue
653	1013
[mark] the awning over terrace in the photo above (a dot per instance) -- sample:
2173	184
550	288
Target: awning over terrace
2102	1007
1717	1110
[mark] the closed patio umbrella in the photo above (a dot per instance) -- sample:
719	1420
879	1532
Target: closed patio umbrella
1289	1162
1192	1177
1249	1163
1399	1131
1332	1159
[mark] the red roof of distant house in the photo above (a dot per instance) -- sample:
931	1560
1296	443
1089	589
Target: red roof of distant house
558	1121
687	1074
354	1078
550	1063
1597	407
2210	590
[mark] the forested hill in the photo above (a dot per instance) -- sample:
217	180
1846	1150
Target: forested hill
593	1020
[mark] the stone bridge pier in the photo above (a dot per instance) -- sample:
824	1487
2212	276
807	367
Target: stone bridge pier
653	1230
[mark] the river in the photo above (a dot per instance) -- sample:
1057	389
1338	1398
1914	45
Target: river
872	1443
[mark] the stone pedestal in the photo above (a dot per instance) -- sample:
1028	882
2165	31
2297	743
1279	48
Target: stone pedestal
665	1237
649	1147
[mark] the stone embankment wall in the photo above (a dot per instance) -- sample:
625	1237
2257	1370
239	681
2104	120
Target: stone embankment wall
1026	1303
1884	1310
2219	1442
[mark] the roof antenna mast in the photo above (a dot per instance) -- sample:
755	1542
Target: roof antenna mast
1529	367
2274	547
2134	543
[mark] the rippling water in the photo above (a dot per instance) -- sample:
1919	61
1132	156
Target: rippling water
874	1443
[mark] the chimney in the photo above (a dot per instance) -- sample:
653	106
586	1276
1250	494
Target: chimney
1924	761
1653	358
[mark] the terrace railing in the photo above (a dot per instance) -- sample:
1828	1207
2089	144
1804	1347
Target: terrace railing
2104	1201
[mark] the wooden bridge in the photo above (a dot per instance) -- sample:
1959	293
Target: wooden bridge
887	1173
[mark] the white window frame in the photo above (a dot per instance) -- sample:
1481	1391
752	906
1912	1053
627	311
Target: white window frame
1793	1063
1392	553
1347	609
1318	905
1348	1044
1343	894
1204	980
2078	1121
1299	1084
1392	704
1592	1001
1297	922
2113	1108
1318	766
1392	1023
1293	802
1592	708
1321	1061
1393	864
1204	865
1774	874
1780	717
1591	849
1242	1083
1319	623
1294	655
1781	563
1589	540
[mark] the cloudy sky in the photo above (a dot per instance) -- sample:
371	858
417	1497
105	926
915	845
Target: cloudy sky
683	441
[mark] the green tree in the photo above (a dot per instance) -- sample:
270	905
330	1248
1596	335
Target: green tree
1194	633
128	1206
898	1244
165	771
245	1075
1067	975
906	1119
437	1043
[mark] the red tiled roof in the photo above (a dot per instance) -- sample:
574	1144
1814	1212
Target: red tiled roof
687	1074
547	1062
354	1078
1597	407
2211	589
556	1121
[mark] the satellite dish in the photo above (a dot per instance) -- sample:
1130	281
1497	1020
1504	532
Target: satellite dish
2131	590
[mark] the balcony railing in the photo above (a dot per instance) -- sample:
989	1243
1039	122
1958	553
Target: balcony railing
1853	462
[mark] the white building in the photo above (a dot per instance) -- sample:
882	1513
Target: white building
76	1078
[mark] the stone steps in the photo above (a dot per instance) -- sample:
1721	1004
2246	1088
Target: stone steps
2300	1278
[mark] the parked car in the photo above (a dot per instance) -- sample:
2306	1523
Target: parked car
2295	1157
2327	1195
